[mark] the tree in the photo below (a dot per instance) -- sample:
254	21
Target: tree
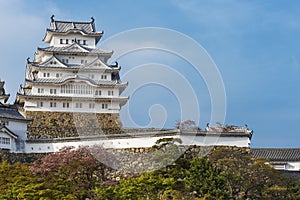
187	179
71	171
187	125
247	177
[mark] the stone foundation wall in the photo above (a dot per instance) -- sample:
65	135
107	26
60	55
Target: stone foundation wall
137	160
69	124
133	161
20	157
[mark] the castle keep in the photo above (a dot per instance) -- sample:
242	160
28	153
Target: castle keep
69	89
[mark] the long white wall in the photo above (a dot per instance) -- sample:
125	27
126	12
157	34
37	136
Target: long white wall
138	142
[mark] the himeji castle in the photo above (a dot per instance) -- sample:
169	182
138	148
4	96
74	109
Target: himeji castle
70	76
71	96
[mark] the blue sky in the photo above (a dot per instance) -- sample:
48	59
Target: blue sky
254	44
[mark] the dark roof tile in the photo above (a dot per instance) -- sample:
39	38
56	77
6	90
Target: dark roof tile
277	154
64	26
10	112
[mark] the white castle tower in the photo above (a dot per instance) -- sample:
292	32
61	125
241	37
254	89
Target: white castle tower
71	76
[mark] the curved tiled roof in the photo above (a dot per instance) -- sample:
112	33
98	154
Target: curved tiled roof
277	154
10	112
65	79
64	26
74	48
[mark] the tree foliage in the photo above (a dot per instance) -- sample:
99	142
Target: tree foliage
226	173
187	125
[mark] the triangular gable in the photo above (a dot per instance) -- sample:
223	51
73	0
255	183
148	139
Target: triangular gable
5	130
95	64
75	47
78	78
53	62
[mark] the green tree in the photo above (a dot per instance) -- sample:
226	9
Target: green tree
247	177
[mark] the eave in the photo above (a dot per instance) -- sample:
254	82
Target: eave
77	80
50	33
52	98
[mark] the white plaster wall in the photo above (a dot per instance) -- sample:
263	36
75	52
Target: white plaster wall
293	166
113	107
77	59
104	91
136	143
55	41
19	128
88	74
215	140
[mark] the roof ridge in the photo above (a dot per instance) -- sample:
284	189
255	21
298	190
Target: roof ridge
76	22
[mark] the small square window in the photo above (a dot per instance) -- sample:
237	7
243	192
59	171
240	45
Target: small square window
98	92
40	104
66	105
52	91
40	90
104	106
46	74
78	105
110	92
103	76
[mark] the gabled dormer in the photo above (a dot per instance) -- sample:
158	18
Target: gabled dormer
75	48
53	62
96	64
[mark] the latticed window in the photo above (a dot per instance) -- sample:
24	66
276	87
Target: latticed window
40	104
110	92
40	90
52	91
66	105
104	106
78	105
4	140
76	89
98	92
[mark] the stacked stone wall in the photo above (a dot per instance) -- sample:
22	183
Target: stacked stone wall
131	162
20	157
69	124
